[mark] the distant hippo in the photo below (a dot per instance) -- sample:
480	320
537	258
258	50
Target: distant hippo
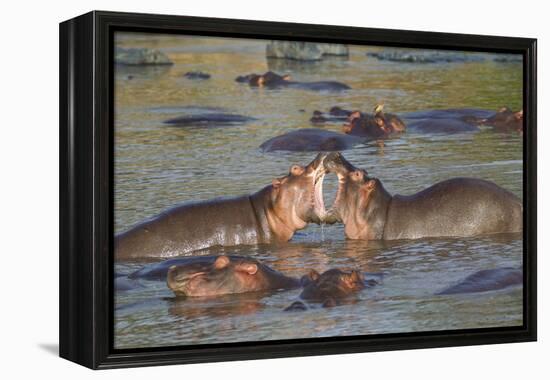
196	75
273	214
334	115
272	80
226	275
486	280
209	119
310	140
330	288
376	126
505	120
457	207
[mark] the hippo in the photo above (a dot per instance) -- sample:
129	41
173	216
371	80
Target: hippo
196	75
457	207
334	115
270	215
486	280
310	139
376	126
272	80
209	119
505	120
331	288
226	275
446	121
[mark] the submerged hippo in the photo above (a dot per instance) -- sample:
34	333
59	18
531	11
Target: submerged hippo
486	280
209	119
310	140
376	126
331	288
226	275
505	120
455	207
196	75
272	214
448	121
272	80
334	115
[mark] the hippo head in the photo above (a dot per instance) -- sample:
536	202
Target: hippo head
332	285
297	198
269	79
505	118
226	275
356	197
377	125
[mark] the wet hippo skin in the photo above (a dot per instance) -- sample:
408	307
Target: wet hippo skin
457	207
486	280
272	80
505	120
226	275
310	140
272	214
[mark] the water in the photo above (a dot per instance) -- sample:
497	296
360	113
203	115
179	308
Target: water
158	166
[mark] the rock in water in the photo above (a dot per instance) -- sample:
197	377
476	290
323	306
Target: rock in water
141	57
304	51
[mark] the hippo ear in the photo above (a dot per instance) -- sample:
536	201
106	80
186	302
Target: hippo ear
287	77
370	184
519	115
249	268
313	275
354	115
503	109
357	175
297	170
221	262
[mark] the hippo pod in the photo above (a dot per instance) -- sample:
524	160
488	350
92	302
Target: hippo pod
331	288
272	80
487	280
273	214
310	140
457	207
226	275
376	126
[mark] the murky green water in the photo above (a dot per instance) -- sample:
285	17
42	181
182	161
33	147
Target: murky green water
158	166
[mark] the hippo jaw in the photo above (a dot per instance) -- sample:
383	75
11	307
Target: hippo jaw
337	164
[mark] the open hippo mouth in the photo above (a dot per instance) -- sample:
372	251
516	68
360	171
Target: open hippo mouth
318	174
337	164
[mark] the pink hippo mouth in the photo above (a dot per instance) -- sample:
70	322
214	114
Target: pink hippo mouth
318	201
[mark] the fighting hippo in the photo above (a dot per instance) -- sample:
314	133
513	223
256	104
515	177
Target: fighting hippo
226	275
486	280
272	80
505	120
310	140
456	207
331	288
209	119
376	126
272	214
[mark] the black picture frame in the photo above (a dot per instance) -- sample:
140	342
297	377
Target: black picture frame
86	184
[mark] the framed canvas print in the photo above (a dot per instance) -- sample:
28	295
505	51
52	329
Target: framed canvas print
239	189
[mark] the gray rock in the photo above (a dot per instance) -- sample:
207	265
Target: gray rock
304	51
141	57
